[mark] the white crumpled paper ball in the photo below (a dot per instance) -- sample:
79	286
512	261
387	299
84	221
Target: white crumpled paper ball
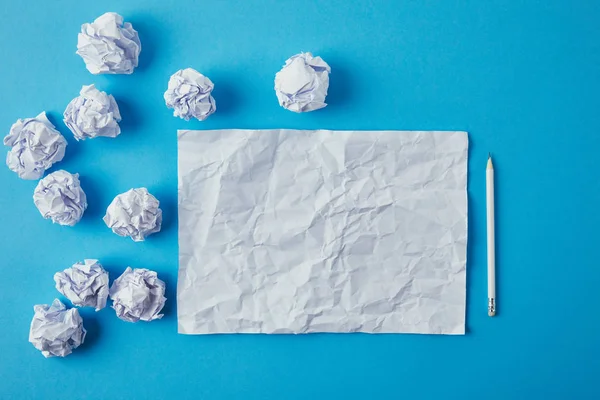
93	113
56	331
59	197
189	95
36	145
138	294
84	284
302	83
109	46
134	213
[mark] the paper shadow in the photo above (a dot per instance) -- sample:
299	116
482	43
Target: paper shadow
225	95
93	330
149	32
132	118
96	207
470	257
168	205
341	91
170	279
115	267
471	240
72	145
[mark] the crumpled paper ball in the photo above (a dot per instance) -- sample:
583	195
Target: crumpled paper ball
59	197
93	113
138	294
56	331
84	284
134	213
302	83
109	46
189	95
36	145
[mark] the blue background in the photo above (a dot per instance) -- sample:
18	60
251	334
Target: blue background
522	77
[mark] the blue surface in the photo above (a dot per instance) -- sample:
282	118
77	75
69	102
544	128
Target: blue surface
521	77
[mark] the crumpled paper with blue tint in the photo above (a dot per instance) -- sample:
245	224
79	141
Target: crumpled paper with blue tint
84	284
189	95
302	83
59	197
134	214
93	113
296	231
36	145
109	46
137	295
56	330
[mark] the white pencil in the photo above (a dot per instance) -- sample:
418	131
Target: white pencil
491	252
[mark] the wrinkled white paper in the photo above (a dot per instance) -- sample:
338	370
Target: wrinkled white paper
84	284
284	231
109	46
189	95
135	214
56	330
137	295
93	113
59	197
36	145
302	83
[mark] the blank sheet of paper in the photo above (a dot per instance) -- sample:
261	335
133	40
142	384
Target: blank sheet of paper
297	231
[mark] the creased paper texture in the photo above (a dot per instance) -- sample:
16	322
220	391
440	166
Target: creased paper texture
93	114
59	196
137	295
84	284
189	95
284	231
55	330
302	83
35	146
135	213
108	45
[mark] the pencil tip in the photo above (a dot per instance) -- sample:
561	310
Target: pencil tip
489	155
